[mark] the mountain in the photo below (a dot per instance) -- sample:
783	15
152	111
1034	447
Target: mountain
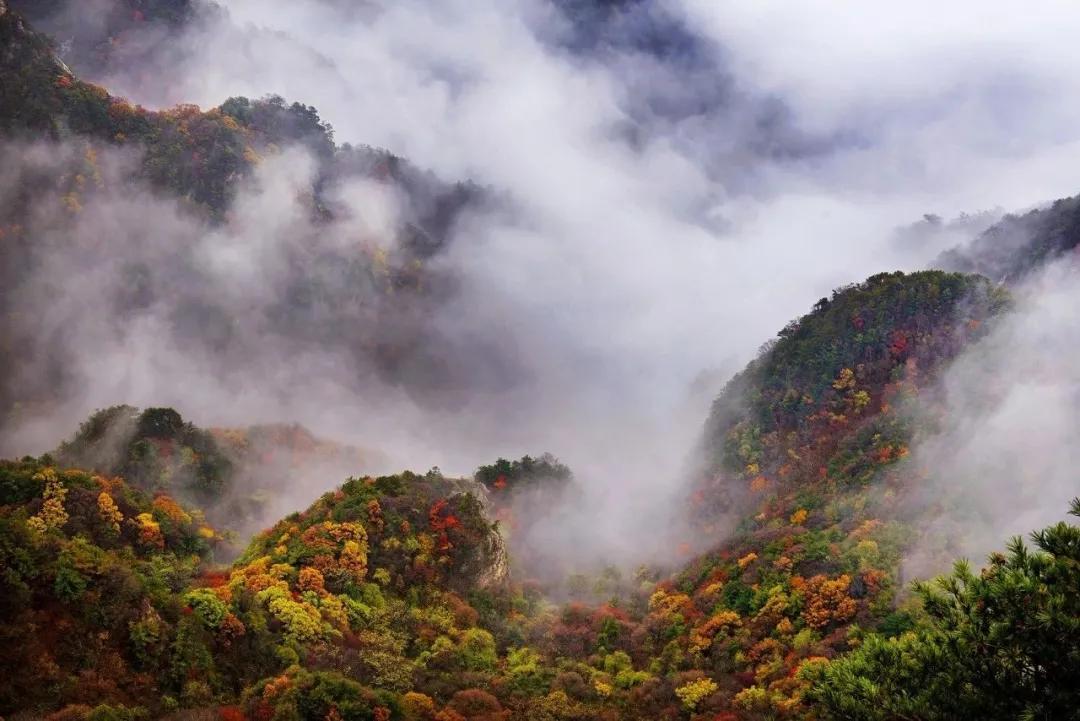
366	578
103	36
1020	244
829	380
153	568
390	597
241	476
84	165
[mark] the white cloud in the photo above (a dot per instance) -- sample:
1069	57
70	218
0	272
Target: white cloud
635	257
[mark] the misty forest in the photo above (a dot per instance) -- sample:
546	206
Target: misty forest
479	360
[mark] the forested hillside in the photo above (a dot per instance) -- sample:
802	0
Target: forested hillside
239	475
94	572
393	597
1020	244
116	34
80	159
153	566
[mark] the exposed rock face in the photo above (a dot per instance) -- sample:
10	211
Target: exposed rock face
497	556
499	567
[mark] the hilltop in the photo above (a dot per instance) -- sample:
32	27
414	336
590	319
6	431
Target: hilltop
239	475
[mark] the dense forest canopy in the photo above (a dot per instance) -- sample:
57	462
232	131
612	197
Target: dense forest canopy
243	260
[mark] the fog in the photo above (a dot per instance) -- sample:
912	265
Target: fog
680	180
1003	459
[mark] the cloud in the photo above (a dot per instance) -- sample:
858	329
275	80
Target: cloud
1003	460
681	179
969	103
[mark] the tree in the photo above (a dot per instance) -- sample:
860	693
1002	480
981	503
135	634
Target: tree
693	693
1003	644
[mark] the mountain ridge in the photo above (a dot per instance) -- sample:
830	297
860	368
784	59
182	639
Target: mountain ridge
150	568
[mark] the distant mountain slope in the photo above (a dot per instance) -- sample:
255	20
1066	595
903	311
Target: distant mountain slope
242	477
352	267
96	37
197	155
830	371
1020	244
